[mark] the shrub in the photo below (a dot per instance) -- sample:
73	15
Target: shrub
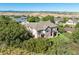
75	36
60	45
77	25
35	45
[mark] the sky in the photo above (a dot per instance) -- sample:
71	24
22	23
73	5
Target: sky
71	7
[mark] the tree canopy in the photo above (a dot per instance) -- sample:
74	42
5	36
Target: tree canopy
33	19
46	18
5	18
75	36
77	25
65	19
11	31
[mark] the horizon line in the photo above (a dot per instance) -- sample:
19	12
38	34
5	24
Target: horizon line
33	11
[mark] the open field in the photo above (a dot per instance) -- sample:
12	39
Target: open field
39	14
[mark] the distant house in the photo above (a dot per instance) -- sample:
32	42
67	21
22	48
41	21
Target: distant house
58	20
71	22
42	29
21	19
69	29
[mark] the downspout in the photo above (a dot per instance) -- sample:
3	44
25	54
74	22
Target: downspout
51	32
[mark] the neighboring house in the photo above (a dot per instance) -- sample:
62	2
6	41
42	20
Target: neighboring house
42	29
71	22
69	29
58	20
21	20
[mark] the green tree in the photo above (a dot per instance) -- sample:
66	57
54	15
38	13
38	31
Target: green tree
77	25
52	19
17	16
46	18
11	31
65	19
61	28
33	19
60	45
75	36
5	18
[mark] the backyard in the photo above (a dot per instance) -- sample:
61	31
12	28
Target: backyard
16	39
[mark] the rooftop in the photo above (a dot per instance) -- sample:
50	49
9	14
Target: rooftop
40	25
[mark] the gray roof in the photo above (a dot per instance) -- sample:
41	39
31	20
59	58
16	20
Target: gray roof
40	25
69	29
58	19
73	20
20	20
